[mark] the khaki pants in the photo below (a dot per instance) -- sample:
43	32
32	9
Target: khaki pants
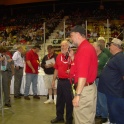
48	81
85	113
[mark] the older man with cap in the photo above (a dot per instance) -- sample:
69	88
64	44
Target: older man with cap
101	40
32	64
86	64
111	82
101	108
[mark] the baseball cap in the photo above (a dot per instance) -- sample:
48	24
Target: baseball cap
78	28
117	41
37	46
101	38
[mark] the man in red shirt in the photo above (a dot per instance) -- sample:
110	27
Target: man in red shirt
32	63
86	64
64	95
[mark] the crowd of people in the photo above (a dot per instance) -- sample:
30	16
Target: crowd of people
28	29
96	71
98	80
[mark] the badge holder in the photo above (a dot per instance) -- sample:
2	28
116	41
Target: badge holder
2	108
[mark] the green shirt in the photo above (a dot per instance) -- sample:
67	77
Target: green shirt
107	52
102	60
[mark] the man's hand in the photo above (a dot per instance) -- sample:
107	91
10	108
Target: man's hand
17	67
49	65
76	101
2	58
68	71
9	60
33	70
53	84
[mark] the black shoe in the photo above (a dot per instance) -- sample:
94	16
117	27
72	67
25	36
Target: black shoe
69	122
17	97
98	117
21	94
8	104
26	97
104	120
36	97
56	120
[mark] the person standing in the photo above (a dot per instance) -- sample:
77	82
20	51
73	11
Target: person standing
86	64
49	71
6	64
101	108
101	40
18	68
64	95
32	64
111	82
11	73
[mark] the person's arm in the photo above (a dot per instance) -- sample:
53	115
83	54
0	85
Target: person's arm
123	77
80	86
30	65
55	74
10	60
43	62
2	58
12	69
54	78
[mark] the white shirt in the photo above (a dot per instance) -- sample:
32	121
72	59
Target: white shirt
18	59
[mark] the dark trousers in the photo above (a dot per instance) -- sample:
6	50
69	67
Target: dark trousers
17	81
64	97
5	85
115	109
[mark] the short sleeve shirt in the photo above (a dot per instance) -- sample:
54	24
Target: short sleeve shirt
62	65
34	59
86	62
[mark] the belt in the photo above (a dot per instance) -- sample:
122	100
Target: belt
97	77
87	84
19	67
63	78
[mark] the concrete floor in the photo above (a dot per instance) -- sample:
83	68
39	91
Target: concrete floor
29	112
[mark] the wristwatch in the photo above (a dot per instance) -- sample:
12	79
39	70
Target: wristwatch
77	94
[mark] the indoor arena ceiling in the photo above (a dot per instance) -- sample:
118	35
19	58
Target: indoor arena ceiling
13	2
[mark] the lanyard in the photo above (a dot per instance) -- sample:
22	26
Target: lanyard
66	61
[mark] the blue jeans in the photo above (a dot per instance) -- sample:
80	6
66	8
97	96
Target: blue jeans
101	106
116	109
31	78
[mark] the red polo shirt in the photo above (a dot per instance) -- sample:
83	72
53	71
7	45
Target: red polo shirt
34	59
85	62
62	66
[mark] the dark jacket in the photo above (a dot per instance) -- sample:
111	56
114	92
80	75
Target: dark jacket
48	70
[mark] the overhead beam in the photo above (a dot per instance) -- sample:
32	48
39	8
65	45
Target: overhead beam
13	2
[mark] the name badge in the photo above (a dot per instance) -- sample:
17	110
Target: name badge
3	68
